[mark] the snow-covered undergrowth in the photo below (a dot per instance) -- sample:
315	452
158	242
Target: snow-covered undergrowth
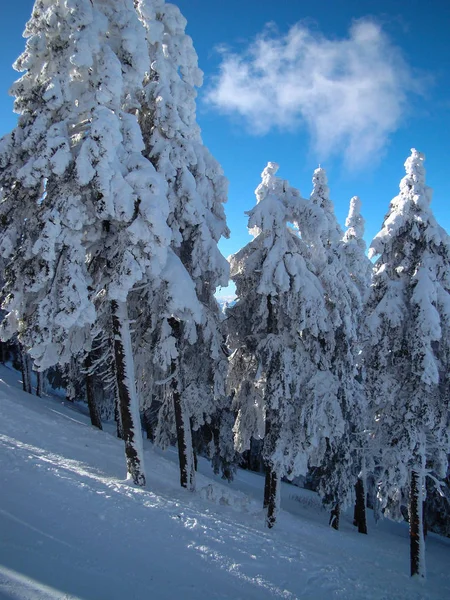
72	527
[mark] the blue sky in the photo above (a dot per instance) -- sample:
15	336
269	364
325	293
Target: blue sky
352	85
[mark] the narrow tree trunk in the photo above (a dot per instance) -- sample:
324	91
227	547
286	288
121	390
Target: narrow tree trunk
70	386
335	515
267	486
128	400
26	372
94	412
417	542
195	460
182	422
359	519
3	352
273	493
39	383
184	443
267	466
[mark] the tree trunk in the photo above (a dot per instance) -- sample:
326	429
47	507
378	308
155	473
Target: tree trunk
39	383
94	413
417	542
26	372
359	519
3	352
272	482
70	385
182	421
334	517
267	485
195	460
267	466
128	400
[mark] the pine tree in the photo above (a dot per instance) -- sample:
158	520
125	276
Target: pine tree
409	318
274	331
354	250
360	270
338	405
189	317
83	212
46	286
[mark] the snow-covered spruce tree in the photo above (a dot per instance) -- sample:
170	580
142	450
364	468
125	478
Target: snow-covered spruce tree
408	349
83	212
130	235
338	406
274	330
360	270
46	288
354	249
196	192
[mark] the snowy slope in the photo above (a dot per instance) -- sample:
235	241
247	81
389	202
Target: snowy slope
71	527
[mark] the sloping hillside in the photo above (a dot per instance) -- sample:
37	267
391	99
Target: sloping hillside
72	527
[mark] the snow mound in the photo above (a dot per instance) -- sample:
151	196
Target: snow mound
218	494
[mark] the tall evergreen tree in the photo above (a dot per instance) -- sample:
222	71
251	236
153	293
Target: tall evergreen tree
354	250
359	268
274	331
335	458
196	192
409	319
83	212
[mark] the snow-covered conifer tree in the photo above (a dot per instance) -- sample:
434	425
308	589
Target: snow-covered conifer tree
408	348
337	403
354	249
275	329
190	316
83	212
360	270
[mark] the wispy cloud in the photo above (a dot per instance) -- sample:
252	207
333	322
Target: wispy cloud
351	94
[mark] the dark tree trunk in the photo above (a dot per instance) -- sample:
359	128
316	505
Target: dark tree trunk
94	412
26	372
359	519
417	542
267	466
335	515
3	352
272	501
70	385
182	422
271	482
39	383
267	484
128	402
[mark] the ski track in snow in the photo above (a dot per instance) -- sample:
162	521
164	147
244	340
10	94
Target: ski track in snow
72	528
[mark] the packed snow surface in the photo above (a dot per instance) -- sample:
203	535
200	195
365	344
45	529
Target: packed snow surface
71	526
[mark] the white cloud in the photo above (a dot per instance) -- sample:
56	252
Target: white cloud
351	93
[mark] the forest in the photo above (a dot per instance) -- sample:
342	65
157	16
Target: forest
331	367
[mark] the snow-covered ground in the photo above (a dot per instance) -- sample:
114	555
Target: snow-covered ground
72	527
